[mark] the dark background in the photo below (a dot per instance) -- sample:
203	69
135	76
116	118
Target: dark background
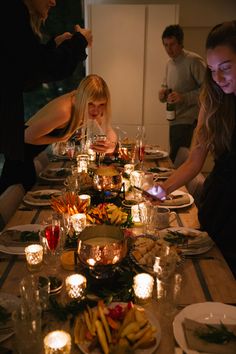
62	18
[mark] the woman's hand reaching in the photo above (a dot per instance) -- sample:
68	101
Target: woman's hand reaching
86	33
62	37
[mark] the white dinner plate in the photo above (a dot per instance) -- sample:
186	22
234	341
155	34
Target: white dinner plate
20	250
53	174
151	154
152	319
205	312
10	303
199	244
37	197
179	192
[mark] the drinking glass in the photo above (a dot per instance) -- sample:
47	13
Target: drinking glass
140	144
70	149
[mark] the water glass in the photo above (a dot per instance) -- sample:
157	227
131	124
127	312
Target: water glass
27	329
34	290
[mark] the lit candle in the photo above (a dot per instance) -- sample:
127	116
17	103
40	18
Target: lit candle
78	221
143	287
85	197
57	342
82	163
128	168
75	285
92	155
138	212
136	178
34	257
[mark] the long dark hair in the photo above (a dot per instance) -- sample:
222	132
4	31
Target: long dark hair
219	107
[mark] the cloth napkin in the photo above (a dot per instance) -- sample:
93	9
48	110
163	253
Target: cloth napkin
194	342
177	200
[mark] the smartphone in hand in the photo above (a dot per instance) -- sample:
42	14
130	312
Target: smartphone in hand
156	192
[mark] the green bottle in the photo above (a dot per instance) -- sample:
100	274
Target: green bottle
170	108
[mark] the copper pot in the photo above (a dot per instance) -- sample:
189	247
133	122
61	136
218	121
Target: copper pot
101	248
107	178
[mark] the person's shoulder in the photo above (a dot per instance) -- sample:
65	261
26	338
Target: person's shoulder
192	55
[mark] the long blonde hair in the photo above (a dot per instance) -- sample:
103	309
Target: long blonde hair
35	20
219	108
91	88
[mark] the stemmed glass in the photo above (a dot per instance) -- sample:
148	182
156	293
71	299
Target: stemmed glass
70	149
140	144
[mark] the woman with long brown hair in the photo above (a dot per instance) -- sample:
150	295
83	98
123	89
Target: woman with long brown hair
216	132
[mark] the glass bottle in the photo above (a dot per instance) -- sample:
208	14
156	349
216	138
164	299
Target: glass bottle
170	107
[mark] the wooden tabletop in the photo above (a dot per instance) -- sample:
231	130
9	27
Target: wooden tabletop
205	278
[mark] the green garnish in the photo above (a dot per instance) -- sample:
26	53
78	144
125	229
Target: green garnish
216	334
26	236
175	237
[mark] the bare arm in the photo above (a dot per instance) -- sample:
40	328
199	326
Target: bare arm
52	116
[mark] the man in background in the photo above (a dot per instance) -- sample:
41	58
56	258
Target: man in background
184	76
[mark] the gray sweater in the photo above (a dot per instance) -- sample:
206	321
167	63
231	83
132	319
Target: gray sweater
185	75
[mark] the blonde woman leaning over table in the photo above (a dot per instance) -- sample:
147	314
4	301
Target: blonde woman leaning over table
58	121
216	132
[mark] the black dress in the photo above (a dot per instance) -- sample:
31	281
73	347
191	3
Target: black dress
25	63
217	211
23	172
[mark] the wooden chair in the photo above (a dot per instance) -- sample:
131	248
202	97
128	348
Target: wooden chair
10	199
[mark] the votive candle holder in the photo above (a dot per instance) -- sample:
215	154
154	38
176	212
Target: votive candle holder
78	221
57	342
75	286
34	257
143	287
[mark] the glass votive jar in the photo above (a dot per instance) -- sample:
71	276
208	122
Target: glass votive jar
34	257
75	286
136	178
82	163
85	198
57	342
128	168
91	155
78	221
143	287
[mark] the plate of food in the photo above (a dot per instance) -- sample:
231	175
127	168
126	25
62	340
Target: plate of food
154	153
55	174
146	247
16	238
208	327
8	303
41	197
178	199
160	173
115	327
190	241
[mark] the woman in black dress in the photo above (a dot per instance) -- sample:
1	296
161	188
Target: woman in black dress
216	132
26	62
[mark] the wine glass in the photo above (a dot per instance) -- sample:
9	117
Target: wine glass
140	144
70	149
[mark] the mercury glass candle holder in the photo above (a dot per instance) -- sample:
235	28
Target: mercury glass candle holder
57	342
75	286
85	198
34	257
82	163
78	221
128	168
136	178
143	287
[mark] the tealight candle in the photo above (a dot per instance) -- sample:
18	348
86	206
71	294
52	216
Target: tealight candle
92	155
57	342
34	257
136	178
128	168
85	197
82	163
75	285
137	212
143	287
78	221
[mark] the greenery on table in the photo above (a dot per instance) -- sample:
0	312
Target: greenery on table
118	289
216	334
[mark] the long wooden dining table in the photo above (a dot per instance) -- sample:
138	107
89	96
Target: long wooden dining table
205	277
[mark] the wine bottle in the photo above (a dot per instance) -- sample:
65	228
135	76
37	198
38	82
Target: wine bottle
170	108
